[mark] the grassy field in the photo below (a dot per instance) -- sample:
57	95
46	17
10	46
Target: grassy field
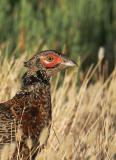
84	120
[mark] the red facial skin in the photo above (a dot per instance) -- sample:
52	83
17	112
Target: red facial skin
55	59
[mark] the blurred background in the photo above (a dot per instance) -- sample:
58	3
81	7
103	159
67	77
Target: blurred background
79	27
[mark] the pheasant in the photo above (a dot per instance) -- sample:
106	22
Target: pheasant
30	110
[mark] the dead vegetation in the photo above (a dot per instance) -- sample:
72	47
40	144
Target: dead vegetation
84	119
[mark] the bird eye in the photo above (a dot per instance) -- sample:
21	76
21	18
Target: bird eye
50	59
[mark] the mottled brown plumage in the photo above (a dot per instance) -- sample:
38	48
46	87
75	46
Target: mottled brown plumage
29	111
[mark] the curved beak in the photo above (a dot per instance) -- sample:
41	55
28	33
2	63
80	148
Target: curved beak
68	62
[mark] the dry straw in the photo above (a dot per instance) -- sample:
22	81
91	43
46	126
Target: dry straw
84	120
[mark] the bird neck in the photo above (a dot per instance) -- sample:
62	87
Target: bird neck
31	78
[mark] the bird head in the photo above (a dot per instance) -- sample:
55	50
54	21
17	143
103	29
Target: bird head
50	62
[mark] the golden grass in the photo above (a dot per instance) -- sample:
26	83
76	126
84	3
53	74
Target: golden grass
84	120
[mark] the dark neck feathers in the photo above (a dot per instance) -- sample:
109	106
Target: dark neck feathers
38	77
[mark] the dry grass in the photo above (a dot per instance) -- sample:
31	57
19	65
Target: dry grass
84	121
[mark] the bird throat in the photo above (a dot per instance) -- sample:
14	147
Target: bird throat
34	78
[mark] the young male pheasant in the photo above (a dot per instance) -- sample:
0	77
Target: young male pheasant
29	111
